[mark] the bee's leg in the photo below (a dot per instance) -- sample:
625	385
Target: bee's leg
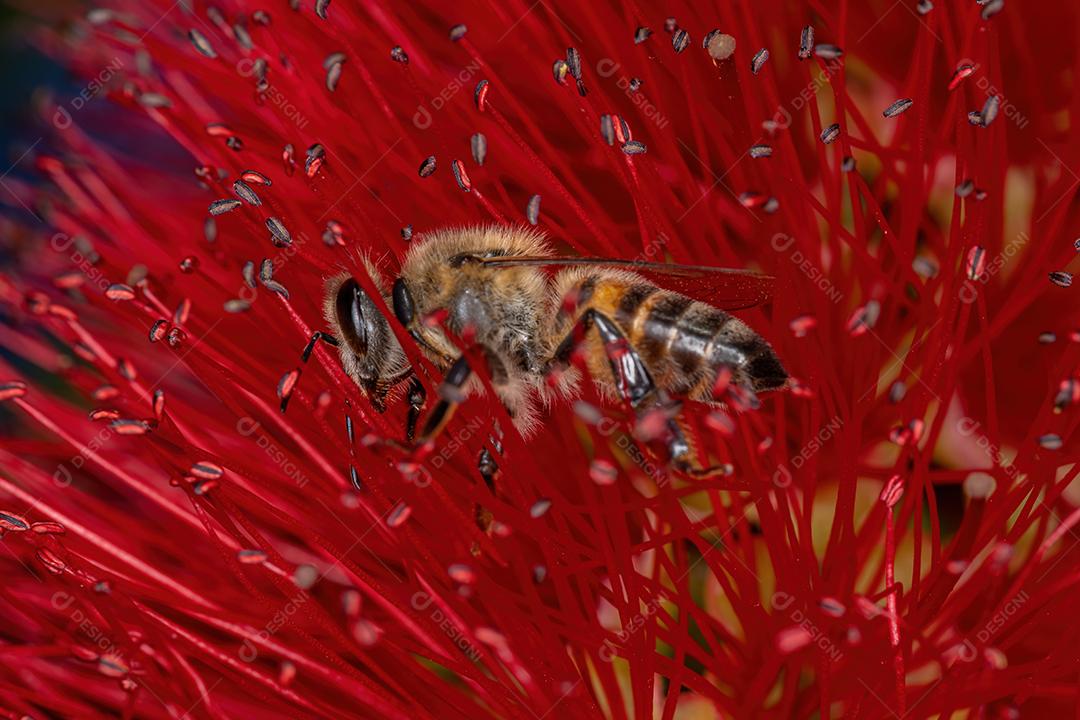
683	455
450	396
632	378
635	384
417	396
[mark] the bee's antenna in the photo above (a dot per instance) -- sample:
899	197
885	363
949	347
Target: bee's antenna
315	337
308	349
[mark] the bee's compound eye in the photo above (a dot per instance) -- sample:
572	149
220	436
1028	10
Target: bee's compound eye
350	316
403	303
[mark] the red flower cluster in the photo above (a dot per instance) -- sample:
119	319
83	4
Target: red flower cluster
198	524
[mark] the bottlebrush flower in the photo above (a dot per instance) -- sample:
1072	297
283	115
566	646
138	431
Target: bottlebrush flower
198	524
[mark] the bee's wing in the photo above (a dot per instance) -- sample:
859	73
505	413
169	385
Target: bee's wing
724	288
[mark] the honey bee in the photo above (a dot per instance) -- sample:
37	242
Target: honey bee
647	331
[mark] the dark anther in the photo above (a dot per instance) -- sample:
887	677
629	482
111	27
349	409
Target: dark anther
417	396
488	468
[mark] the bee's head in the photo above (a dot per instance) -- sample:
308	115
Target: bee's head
370	353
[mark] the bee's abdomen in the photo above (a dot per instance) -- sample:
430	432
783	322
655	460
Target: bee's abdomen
687	343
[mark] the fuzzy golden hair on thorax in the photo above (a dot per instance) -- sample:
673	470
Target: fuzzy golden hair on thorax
506	307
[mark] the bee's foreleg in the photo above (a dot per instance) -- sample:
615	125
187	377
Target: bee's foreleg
450	396
632	378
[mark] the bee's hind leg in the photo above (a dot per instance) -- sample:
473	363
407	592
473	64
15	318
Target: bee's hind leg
683	455
635	384
632	378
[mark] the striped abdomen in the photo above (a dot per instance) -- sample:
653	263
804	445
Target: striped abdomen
684	343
